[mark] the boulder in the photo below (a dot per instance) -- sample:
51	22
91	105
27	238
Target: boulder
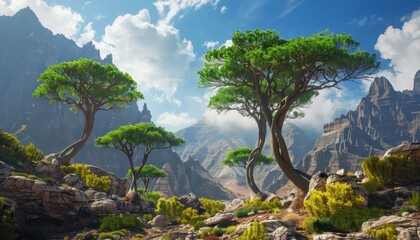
125	206
409	150
191	200
119	186
74	180
399	222
360	175
269	226
34	197
159	221
219	218
90	193
234	205
317	182
104	207
344	236
5	170
100	195
281	233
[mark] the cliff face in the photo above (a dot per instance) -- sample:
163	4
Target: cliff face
383	119
27	49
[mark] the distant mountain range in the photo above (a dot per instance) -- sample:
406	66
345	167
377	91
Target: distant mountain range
26	50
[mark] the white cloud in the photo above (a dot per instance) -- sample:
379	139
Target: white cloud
196	99
402	48
210	44
57	18
228	43
223	9
228	120
366	20
168	9
175	121
154	55
324	109
289	6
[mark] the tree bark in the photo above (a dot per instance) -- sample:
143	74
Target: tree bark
143	162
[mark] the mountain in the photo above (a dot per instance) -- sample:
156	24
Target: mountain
27	49
209	144
383	119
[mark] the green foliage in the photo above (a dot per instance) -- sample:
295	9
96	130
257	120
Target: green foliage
243	212
231	229
102	183
211	233
31	176
240	156
318	225
199	224
256	204
150	197
391	170
187	215
147	217
372	185
110	235
341	205
212	206
387	232
117	222
255	232
14	154
171	209
210	237
8	227
147	173
414	200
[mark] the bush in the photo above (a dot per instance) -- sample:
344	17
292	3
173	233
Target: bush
341	205
387	232
414	201
187	215
14	154
256	204
391	170
147	217
256	231
151	197
7	222
372	185
318	225
171	209
243	212
111	235
102	183
117	222
212	206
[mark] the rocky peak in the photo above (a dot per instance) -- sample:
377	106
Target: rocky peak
146	116
416	87
381	88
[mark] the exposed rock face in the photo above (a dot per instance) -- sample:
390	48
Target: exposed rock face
35	197
383	119
27	50
219	218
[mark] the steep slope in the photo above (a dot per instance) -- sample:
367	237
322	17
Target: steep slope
27	49
383	119
209	144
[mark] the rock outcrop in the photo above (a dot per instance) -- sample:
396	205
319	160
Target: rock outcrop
384	118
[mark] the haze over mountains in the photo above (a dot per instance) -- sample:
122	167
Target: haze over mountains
27	49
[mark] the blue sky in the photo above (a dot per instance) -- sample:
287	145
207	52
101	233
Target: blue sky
161	43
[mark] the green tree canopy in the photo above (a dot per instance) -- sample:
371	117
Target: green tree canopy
239	158
147	173
285	73
87	86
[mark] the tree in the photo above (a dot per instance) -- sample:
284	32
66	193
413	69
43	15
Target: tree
280	72
148	173
89	87
127	139
241	157
243	100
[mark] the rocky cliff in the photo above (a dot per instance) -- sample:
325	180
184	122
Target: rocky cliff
384	118
27	49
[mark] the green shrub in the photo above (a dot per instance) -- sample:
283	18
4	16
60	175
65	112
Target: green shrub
256	231
117	222
13	153
392	169
372	186
243	212
256	204
7	222
198	225
387	232
212	206
171	209
318	225
187	215
147	217
414	200
231	229
34	177
151	197
102	183
211	233
341	205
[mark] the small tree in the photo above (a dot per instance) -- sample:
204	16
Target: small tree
148	173
128	138
89	87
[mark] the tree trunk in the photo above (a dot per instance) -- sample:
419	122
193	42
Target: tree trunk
253	157
133	173
143	162
64	157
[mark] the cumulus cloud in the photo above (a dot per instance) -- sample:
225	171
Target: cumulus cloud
168	9
228	120
325	108
210	44
402	48
223	9
175	121
57	18
153	54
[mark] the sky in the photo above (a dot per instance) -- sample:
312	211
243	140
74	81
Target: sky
161	44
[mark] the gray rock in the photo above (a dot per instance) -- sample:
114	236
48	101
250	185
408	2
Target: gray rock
191	200
219	218
125	206
100	195
159	221
408	234
271	225
191	236
5	170
342	172
90	193
104	207
281	233
35	197
317	182
360	175
397	221
93	234
343	236
234	205
74	180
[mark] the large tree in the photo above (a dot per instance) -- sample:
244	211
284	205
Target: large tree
87	86
128	138
243	100
280	72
